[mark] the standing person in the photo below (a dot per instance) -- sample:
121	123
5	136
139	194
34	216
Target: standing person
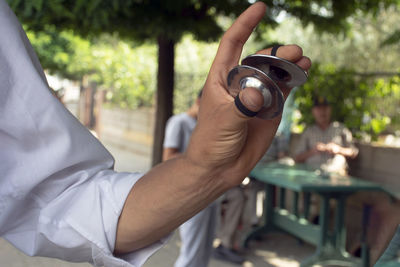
236	200
59	194
197	234
326	144
232	205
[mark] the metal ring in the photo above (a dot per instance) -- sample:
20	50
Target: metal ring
242	108
275	49
241	77
282	71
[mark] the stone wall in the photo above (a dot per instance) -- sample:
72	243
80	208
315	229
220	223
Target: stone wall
378	164
128	129
381	165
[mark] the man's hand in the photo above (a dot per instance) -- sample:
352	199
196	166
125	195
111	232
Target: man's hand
224	147
224	138
321	148
333	148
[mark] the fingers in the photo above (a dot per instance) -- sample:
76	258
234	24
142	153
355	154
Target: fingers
293	53
260	130
288	52
232	42
248	103
304	63
228	55
252	99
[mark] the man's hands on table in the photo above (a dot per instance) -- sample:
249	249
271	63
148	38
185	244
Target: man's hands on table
224	147
335	149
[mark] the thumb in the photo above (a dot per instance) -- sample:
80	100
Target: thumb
249	102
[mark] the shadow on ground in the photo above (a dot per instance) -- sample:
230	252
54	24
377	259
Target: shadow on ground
277	249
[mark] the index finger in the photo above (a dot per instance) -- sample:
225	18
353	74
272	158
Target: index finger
232	42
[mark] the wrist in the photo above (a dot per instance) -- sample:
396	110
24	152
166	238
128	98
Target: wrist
207	178
314	151
176	189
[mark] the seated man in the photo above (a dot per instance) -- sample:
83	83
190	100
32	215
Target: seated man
326	145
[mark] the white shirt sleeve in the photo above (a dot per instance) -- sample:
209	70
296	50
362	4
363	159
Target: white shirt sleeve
59	195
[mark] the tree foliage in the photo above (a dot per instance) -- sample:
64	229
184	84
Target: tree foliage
360	49
147	19
138	19
193	60
349	67
394	38
366	105
166	21
55	50
127	72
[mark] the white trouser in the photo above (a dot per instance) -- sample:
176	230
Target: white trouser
197	236
235	200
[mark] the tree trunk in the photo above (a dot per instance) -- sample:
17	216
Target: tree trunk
165	93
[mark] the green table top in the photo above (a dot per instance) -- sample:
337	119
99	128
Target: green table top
303	178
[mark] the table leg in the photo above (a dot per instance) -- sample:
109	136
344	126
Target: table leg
295	210
282	198
323	223
331	246
364	242
295	204
340	229
307	202
267	215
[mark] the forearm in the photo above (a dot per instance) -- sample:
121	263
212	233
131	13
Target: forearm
302	157
163	199
348	152
224	147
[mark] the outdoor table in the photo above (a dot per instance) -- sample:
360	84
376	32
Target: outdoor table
301	178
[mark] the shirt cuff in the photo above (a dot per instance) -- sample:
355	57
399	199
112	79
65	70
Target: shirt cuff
103	257
134	259
87	226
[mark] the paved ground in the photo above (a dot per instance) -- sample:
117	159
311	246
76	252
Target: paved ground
277	249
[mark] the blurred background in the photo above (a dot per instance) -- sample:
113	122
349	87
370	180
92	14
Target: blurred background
124	67
110	58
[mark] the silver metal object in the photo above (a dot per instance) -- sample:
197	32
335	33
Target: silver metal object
242	76
280	70
267	74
